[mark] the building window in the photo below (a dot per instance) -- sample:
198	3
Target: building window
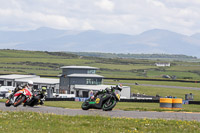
85	94
54	91
35	87
9	83
1	83
93	81
91	71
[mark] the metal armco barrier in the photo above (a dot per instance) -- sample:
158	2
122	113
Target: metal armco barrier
60	99
122	100
139	100
194	102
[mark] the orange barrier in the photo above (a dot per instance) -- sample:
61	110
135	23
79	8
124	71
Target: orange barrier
171	103
177	103
166	103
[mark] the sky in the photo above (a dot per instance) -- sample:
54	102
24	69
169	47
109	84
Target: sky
110	16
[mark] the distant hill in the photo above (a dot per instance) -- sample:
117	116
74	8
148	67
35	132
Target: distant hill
150	42
137	56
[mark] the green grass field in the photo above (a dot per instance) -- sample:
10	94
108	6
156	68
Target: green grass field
153	91
125	106
17	122
48	63
134	106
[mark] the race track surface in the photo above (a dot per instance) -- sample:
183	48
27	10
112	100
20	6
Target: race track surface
114	113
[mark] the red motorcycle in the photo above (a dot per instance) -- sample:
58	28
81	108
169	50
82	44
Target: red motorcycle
19	97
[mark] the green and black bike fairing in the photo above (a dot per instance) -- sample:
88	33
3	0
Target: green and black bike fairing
104	97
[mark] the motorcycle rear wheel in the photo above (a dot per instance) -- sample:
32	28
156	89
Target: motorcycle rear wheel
7	103
109	105
85	106
19	100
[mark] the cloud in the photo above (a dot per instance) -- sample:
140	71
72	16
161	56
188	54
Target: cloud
130	16
87	26
105	5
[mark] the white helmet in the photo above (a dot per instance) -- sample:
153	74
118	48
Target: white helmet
30	83
120	86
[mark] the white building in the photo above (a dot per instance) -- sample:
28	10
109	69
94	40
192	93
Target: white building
163	64
9	80
51	84
79	82
84	90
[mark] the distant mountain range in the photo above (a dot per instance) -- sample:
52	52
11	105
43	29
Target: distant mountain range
151	41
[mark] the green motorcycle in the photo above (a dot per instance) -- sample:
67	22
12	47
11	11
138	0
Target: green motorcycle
106	101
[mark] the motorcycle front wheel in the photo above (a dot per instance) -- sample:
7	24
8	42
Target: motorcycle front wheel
85	106
19	100
7	103
109	105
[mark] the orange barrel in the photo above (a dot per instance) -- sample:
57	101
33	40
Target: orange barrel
177	103
166	103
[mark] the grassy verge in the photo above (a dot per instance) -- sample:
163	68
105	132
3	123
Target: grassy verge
125	106
64	104
128	106
49	123
3	100
154	107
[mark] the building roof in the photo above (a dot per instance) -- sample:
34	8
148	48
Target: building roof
94	87
16	76
91	87
79	67
39	80
85	75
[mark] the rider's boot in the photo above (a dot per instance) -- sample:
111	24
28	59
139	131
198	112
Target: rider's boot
41	102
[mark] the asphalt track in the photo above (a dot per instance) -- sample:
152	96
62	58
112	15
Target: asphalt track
114	113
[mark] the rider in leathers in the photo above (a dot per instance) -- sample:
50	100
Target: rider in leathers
29	86
107	90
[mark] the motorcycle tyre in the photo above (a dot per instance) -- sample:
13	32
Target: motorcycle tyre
7	103
32	104
84	106
109	108
19	101
34	101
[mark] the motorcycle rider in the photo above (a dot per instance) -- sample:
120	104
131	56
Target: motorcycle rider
29	86
119	87
44	89
15	90
99	92
107	90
